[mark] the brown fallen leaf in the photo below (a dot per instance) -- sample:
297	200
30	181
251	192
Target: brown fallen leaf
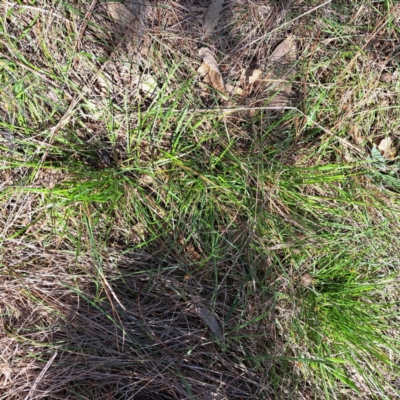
254	76
146	180
147	83
211	16
281	96
387	148
210	71
285	53
192	253
234	90
248	79
6	371
281	59
356	133
203	70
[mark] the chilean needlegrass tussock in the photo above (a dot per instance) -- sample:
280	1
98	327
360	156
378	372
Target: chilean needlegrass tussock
175	236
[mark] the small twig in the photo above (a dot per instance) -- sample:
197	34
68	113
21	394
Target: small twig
228	110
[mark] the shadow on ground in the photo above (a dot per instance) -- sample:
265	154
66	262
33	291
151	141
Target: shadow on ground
138	327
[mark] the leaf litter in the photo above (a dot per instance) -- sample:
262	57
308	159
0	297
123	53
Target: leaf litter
280	74
285	53
209	70
254	76
386	147
212	76
148	83
281	60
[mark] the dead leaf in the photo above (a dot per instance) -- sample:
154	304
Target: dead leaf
210	71
282	58
249	77
147	84
192	253
146	180
211	16
356	133
284	53
281	96
254	76
211	322
203	69
234	90
386	147
6	371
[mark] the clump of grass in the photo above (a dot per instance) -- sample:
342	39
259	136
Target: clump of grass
349	323
141	206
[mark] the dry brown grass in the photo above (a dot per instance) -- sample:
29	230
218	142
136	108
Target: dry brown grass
121	330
